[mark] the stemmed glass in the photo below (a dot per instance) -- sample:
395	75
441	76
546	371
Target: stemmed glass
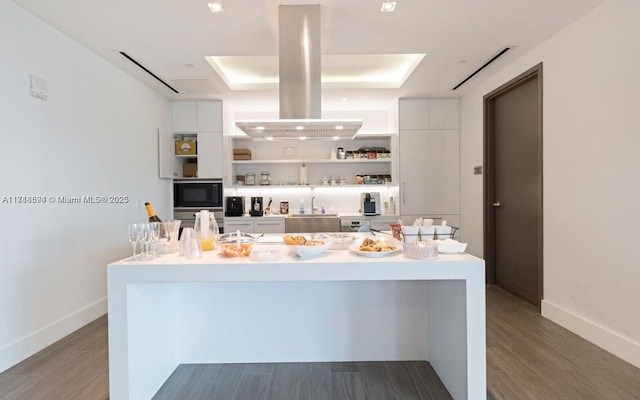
154	233
145	239
134	238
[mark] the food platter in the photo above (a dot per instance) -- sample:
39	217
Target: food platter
356	248
373	254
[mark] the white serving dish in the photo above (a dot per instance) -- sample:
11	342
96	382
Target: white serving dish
341	241
450	246
303	251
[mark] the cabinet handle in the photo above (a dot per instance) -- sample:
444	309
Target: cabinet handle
267	223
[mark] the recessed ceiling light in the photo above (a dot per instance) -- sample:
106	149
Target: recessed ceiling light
339	127
388	6
303	138
269	138
216	7
336	138
299	128
345	99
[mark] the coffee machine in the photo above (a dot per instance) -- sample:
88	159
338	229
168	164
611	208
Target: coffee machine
370	203
257	209
234	206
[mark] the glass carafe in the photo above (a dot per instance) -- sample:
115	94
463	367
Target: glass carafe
206	229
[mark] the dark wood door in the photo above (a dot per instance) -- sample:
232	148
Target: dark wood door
513	200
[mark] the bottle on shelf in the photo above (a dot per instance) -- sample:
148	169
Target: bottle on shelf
152	214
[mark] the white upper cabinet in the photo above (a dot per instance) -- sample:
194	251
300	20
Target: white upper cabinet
184	116
429	114
209	116
196	116
414	114
444	114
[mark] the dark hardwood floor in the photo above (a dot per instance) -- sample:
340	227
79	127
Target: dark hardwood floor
398	380
528	357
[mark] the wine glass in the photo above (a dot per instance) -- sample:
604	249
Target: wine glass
154	233
145	238
133	239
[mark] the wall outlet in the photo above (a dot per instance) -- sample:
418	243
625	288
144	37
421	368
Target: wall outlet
477	170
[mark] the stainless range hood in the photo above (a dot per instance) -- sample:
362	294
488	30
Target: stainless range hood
299	72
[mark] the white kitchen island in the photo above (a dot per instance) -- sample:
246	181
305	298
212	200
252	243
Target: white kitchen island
336	307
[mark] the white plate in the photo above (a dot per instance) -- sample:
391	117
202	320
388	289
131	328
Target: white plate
373	254
355	248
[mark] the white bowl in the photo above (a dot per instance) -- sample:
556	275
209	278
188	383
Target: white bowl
303	251
341	241
450	246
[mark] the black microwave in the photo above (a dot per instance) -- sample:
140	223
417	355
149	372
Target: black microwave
197	194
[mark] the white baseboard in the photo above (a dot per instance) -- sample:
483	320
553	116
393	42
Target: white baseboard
612	342
23	348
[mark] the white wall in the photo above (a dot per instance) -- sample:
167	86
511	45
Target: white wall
591	174
94	135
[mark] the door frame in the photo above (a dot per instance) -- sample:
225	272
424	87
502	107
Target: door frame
489	174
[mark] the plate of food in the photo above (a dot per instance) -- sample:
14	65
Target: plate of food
303	247
383	247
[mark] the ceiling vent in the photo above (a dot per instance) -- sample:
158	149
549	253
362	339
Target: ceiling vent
485	65
299	74
142	67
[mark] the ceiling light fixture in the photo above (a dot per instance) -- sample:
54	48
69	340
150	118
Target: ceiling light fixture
388	6
216	7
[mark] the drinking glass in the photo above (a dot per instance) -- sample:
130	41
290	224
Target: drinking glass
133	239
145	239
154	233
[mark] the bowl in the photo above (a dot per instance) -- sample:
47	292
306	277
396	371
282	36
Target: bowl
304	251
450	246
420	249
340	241
236	244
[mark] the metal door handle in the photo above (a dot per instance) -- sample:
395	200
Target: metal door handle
497	204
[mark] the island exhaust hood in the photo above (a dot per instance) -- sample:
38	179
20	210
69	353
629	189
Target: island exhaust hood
299	74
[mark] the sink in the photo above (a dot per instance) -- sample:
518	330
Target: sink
312	223
313	215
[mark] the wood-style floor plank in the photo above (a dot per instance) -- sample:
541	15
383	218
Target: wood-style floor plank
531	357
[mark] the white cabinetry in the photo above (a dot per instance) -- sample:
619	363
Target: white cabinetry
269	225
255	225
242	225
195	120
429	114
429	157
196	116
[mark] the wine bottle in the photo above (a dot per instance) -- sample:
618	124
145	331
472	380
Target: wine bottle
152	214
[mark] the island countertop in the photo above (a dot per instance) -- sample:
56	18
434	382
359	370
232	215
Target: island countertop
338	306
